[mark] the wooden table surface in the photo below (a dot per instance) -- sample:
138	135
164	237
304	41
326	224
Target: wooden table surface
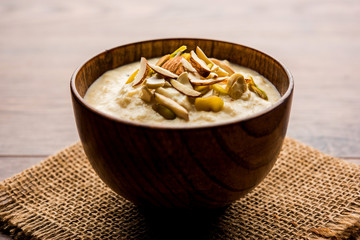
42	42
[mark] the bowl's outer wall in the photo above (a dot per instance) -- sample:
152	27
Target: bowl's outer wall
190	168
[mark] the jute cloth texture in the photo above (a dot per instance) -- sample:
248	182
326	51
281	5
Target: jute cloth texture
307	195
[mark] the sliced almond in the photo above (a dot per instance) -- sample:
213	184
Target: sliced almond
167	92
143	72
214	68
203	82
185	63
199	65
184	79
184	89
167	85
221	72
223	65
155	81
163	71
146	95
174	65
179	110
162	60
202	56
212	75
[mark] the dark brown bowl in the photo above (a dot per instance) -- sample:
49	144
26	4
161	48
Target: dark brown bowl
188	167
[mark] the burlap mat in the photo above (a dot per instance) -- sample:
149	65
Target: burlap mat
307	195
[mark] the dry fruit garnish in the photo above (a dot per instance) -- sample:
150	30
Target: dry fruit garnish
164	111
254	88
181	82
212	103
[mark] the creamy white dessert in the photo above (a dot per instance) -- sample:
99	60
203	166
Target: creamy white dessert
178	93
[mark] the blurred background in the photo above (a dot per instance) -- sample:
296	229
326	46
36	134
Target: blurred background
42	42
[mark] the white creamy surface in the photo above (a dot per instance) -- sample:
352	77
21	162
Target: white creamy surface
111	95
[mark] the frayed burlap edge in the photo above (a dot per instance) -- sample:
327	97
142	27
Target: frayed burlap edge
27	225
346	225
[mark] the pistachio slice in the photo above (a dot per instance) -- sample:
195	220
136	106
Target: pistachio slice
179	110
254	88
203	82
163	71
236	86
203	89
212	103
223	65
186	56
155	81
178	51
146	95
162	60
164	111
132	77
143	72
199	65
219	88
184	89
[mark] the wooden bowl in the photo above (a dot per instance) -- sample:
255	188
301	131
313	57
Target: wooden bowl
182	167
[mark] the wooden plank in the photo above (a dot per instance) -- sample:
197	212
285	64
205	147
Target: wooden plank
41	44
10	166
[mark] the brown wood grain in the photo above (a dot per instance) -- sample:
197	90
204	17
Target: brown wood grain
10	166
182	167
42	42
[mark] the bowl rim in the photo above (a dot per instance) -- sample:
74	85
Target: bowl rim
230	121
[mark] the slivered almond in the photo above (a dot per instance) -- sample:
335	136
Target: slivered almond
155	81
162	71
187	66
224	66
143	72
146	94
202	55
184	89
212	75
162	60
203	82
184	79
179	110
199	65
